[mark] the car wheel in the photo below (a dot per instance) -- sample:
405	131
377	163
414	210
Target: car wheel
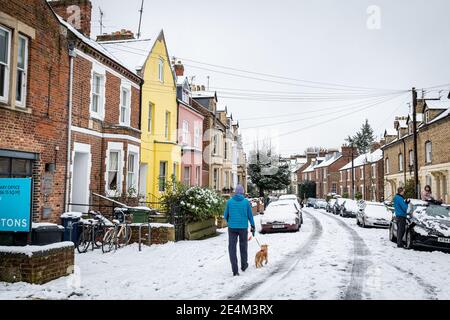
357	222
391	234
363	224
409	239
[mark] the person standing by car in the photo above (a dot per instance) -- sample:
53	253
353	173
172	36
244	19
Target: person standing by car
238	213
428	196
401	208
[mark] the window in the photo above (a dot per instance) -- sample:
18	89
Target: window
400	162
22	65
174	172
187	176
361	173
427	116
374	170
216	179
215	144
131	178
348	174
340	173
167	125
225	152
97	95
411	158
15	168
197	175
185	95
324	174
386	166
334	188
161	70
125	106
197	136
150	118
5	48
113	171
225	175
185	137
428	152
162	176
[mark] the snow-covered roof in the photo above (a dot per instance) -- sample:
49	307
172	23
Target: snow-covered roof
402	123
309	169
369	157
93	44
437	104
181	80
132	53
328	162
377	155
390	132
444	114
203	94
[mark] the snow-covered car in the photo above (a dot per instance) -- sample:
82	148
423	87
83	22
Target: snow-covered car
320	204
330	205
348	208
282	215
427	225
310	202
373	214
290	197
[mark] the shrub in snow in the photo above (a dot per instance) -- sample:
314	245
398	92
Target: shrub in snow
195	203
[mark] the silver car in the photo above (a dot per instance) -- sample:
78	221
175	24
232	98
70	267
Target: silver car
373	214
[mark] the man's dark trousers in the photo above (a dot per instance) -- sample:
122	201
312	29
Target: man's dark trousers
233	235
401	225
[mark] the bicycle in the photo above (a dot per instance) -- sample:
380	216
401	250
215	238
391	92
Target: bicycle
119	235
92	233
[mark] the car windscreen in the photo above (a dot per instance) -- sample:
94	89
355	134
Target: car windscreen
377	211
438	211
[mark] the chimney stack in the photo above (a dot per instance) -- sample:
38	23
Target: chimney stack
116	36
179	68
76	12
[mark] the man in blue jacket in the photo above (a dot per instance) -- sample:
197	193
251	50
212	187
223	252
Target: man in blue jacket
401	208
237	214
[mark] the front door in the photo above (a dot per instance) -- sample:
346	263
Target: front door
80	181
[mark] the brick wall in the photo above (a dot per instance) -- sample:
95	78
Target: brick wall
41	267
159	234
44	128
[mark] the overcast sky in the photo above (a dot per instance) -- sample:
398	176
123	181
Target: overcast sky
323	41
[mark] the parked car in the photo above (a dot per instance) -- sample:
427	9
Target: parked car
320	204
282	215
338	204
373	214
310	202
427	225
290	197
349	208
330	205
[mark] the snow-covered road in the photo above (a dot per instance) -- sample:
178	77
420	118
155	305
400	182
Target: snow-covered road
330	258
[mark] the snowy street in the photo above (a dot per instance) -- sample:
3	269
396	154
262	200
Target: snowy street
330	258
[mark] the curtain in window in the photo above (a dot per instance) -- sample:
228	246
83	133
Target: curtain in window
113	170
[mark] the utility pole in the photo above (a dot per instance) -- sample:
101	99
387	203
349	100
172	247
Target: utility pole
140	19
353	173
101	20
207	77
416	167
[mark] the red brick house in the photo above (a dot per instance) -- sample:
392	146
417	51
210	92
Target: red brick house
105	125
34	80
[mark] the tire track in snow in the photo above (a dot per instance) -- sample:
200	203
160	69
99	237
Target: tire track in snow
429	289
359	264
286	266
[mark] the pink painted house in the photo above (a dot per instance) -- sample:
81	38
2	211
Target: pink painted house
190	132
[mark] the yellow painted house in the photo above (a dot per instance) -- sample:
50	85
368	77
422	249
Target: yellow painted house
160	153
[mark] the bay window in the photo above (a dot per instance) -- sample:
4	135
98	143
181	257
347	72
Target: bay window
113	171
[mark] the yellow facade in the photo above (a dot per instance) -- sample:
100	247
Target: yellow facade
159	132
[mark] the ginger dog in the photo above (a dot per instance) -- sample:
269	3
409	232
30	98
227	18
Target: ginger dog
261	255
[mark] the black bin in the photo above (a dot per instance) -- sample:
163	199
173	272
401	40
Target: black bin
46	234
72	228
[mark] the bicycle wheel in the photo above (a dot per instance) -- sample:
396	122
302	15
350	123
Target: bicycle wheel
84	240
124	236
99	236
108	241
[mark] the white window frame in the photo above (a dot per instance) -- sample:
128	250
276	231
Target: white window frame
386	166
114	147
23	97
160	176
161	69
340	175
134	151
400	162
197	135
411	157
348	174
374	170
185	133
7	66
125	108
187	169
98	70
428	153
361	173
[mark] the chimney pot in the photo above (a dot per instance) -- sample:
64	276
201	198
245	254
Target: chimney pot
76	12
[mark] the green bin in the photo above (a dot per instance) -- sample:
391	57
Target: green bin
140	214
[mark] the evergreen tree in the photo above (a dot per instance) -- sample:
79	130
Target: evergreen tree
363	138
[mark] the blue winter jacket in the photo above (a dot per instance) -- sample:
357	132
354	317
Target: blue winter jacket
400	206
238	212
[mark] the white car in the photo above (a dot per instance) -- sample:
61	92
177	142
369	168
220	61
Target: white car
349	208
373	214
281	215
320	204
290	197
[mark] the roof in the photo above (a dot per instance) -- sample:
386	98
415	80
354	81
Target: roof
402	123
93	44
437	104
390	132
204	94
328	162
181	80
310	168
369	157
444	114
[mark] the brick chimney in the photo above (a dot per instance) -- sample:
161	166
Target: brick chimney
117	35
375	146
347	152
179	68
76	12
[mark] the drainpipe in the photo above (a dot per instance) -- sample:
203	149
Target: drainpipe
72	55
404	160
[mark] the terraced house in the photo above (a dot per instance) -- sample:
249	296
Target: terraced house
105	136
161	153
433	129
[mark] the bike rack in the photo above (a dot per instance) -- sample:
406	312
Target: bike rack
149	234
